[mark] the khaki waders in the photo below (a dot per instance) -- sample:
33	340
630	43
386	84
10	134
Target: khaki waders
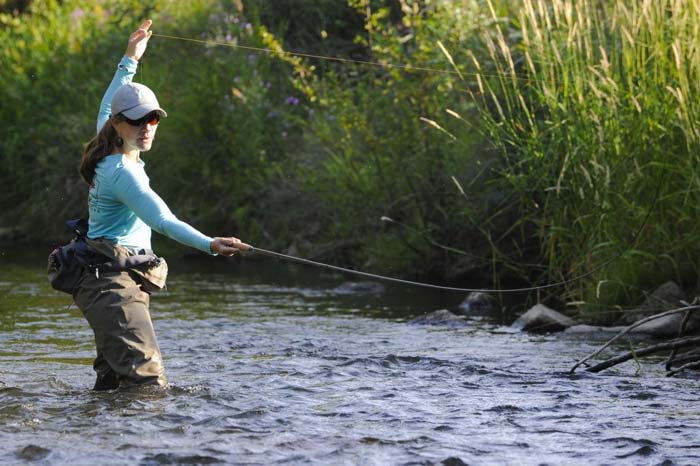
116	307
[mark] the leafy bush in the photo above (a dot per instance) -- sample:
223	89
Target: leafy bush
215	151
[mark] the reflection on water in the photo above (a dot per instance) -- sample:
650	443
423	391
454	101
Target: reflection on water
281	365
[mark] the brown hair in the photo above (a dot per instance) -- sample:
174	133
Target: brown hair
97	149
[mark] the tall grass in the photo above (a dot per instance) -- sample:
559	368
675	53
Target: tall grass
595	111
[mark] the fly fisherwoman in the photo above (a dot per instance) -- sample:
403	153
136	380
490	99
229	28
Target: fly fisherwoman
123	210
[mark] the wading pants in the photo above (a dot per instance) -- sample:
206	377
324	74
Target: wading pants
117	310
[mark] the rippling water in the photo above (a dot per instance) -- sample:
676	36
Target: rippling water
280	367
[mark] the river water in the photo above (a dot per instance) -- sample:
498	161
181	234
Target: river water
276	364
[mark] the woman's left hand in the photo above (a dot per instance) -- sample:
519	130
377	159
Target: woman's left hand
227	246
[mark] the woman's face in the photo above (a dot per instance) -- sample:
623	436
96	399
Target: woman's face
138	134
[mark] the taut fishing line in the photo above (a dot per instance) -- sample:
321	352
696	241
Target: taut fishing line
405	67
468	290
408	67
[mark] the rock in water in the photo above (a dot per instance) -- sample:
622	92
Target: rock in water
441	317
666	297
477	302
541	319
359	288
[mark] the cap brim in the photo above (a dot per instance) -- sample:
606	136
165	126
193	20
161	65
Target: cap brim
141	111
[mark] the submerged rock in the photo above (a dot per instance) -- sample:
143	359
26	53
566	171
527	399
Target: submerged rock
477	302
441	317
33	453
582	328
541	319
359	288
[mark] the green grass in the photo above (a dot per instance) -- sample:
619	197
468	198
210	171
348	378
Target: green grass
594	109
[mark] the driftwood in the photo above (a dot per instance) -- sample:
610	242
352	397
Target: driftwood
681	331
649	350
669	345
691	365
685	358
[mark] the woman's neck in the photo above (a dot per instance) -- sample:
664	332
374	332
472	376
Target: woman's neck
134	155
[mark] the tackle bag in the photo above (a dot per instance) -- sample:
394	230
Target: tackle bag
67	263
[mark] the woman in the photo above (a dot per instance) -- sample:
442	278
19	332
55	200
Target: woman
123	210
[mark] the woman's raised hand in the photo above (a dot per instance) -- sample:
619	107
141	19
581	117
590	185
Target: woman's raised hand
139	40
227	246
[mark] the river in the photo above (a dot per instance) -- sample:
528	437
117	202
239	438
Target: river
278	364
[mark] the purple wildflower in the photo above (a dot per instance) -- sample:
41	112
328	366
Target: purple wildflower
77	14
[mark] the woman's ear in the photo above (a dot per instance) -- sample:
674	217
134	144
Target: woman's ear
115	123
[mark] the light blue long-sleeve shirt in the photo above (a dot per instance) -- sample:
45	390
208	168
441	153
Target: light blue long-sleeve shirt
123	207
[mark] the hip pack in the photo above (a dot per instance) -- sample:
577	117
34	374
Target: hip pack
67	263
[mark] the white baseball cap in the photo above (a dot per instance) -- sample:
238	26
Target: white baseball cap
134	101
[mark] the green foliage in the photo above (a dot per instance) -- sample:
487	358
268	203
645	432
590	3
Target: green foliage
215	152
594	109
508	142
371	149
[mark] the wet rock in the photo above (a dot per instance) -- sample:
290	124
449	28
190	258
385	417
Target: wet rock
33	453
582	328
667	326
170	458
541	319
441	317
666	297
477	302
359	288
453	461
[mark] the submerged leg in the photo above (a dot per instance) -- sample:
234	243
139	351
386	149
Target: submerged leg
107	379
117	310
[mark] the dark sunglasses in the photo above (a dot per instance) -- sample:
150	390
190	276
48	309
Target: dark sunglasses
152	118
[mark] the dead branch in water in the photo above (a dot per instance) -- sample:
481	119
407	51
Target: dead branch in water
631	327
681	331
678	343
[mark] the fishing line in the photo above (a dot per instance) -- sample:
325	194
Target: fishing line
473	290
468	290
408	67
451	288
405	67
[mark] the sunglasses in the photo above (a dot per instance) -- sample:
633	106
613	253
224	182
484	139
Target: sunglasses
152	118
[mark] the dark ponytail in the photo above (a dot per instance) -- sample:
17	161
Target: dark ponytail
97	149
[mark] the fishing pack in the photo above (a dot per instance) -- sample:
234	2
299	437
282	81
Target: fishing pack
68	263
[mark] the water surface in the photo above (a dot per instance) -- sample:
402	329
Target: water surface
271	364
